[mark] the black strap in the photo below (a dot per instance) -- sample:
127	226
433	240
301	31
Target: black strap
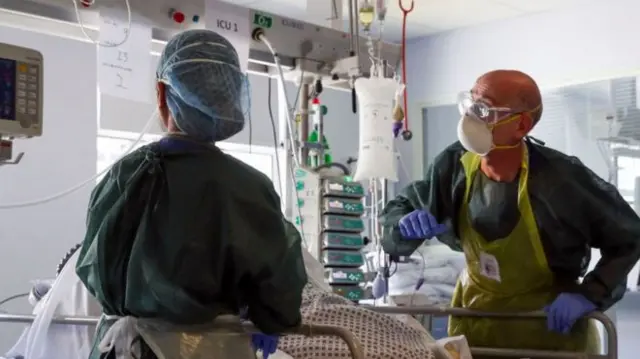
66	258
534	140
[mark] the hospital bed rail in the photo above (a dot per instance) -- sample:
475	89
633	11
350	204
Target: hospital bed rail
609	328
310	330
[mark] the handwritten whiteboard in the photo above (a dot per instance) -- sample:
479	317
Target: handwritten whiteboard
124	70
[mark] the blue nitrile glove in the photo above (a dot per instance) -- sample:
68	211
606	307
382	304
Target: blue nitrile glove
267	343
420	224
563	313
397	126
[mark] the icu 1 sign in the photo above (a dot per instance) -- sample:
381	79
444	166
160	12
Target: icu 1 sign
263	21
227	25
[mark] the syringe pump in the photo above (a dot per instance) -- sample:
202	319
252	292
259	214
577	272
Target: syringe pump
329	214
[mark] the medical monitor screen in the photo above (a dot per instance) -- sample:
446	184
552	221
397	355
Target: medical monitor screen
7	89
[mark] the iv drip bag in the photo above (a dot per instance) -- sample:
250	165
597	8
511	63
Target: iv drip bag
376	155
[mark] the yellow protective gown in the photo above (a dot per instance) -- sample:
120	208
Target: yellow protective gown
510	275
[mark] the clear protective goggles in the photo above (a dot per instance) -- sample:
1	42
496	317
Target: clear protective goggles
483	111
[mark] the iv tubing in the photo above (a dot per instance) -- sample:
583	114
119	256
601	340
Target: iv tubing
84	183
276	59
97	42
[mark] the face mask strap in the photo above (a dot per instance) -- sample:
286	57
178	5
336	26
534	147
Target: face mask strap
508	120
505	121
513	117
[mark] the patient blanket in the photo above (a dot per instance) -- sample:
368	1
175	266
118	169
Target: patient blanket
383	336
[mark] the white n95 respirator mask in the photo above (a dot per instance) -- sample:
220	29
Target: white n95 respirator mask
475	135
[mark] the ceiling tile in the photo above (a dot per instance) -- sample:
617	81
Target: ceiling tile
392	31
285	8
428	16
245	3
450	14
418	30
537	5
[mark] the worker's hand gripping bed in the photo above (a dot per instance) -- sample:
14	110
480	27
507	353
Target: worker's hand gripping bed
609	327
354	345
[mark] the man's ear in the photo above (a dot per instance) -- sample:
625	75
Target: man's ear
160	95
163	108
525	125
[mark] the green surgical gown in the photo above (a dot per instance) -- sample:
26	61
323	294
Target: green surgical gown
182	232
575	210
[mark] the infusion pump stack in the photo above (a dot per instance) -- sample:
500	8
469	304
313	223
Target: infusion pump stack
21	72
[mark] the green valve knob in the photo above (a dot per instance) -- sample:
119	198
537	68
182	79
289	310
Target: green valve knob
323	110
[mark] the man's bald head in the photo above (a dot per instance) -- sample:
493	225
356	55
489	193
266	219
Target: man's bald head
512	89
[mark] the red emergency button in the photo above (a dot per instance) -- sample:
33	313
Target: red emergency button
177	16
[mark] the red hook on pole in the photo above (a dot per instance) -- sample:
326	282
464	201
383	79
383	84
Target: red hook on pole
406	134
406	11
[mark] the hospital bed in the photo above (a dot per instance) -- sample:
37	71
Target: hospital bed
365	330
609	329
354	345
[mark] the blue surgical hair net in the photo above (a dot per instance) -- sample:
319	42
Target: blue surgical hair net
207	93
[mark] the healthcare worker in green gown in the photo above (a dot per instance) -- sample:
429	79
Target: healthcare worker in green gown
526	217
180	234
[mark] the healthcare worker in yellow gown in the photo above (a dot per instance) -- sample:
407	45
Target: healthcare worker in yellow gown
526	217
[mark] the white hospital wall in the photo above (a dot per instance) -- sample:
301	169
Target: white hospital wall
593	41
557	48
33	239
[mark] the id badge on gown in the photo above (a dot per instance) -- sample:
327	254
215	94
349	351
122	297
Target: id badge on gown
489	266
